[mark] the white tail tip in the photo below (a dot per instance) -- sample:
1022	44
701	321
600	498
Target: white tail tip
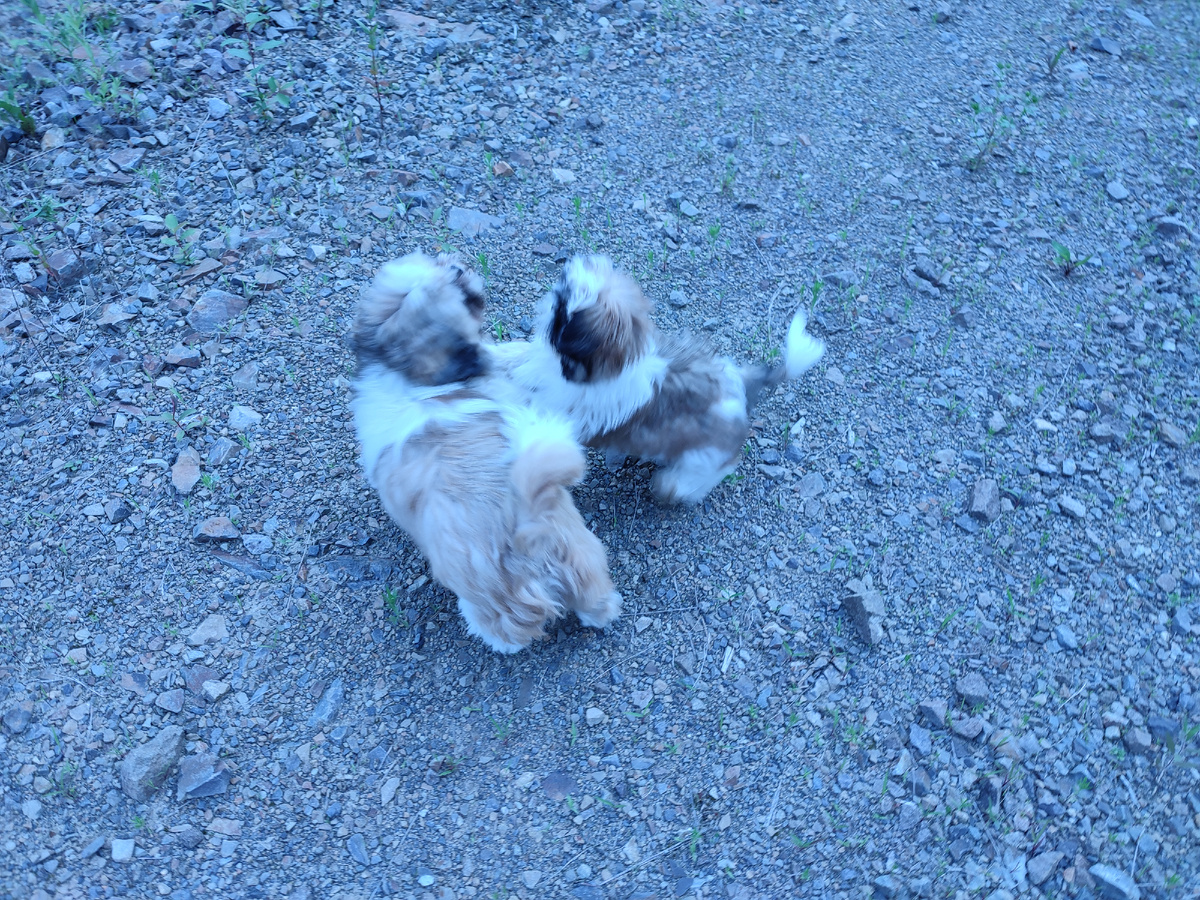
802	351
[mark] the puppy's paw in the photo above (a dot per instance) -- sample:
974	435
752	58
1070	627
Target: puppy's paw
604	613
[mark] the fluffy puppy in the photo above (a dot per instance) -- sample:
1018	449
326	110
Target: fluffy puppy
629	390
480	483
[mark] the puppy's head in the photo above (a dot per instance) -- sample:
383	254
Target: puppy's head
599	320
421	317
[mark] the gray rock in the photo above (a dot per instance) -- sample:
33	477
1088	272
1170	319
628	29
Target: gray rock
973	689
256	543
1165	731
331	701
1117	191
810	486
94	847
212	630
302	122
202	775
1169	226
1042	866
1182	623
865	607
434	47
1066	637
221	451
1114	883
1106	45
171	701
558	786
1072	507
242	418
933	712
217	108
985	500
217	528
843	278
471	222
357	845
921	739
996	423
17	719
122	849
887	887
877	477
679	299
1172	434
31	808
214	309
1138	741
970	727
967	524
146	768
910	816
1138	17
1103	433
689	209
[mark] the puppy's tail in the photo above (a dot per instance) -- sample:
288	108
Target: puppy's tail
801	351
547	459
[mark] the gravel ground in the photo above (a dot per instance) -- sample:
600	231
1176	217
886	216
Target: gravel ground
937	638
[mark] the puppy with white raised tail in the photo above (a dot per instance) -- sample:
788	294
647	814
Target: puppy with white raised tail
480	482
630	390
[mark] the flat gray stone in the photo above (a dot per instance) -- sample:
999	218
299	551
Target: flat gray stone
122	849
865	607
242	418
213	309
1106	45
973	689
217	528
146	768
471	222
210	631
1042	866
1117	191
357	846
217	108
1072	507
985	500
1172	435
1114	883
329	704
811	485
185	472
202	775
1066	637
221	451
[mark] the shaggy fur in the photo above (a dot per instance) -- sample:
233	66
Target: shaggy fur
598	359
481	484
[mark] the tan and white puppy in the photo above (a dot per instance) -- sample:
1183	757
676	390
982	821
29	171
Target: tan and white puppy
598	359
479	482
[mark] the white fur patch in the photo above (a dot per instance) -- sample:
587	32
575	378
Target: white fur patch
593	408
389	409
585	277
801	351
405	275
690	478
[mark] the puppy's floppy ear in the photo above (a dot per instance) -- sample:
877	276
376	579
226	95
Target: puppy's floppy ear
571	337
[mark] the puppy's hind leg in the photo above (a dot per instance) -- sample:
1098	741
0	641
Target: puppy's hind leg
689	478
512	622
